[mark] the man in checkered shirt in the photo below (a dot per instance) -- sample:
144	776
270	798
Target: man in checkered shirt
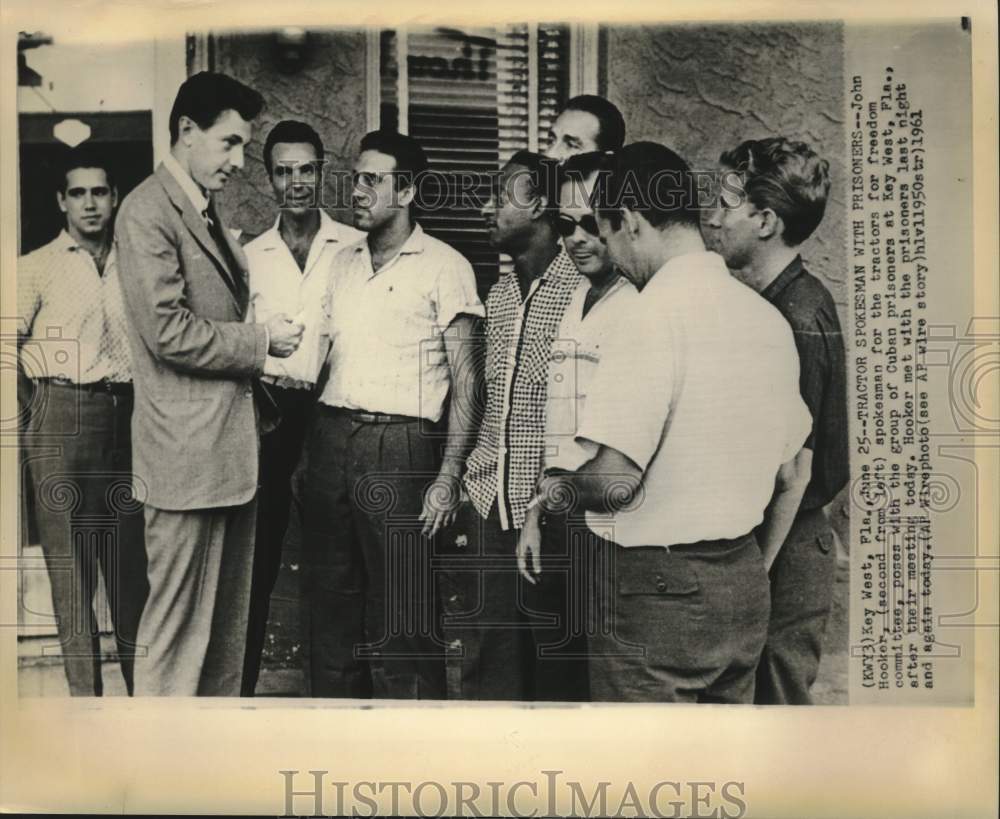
482	619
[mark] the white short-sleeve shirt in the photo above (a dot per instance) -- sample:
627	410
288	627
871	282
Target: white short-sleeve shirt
387	328
575	358
277	285
701	391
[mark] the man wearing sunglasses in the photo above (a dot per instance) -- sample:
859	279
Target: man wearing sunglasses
692	414
556	558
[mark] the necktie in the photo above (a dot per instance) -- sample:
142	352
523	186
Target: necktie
232	274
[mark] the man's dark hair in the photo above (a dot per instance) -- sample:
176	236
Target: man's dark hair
543	176
580	167
204	96
611	123
786	177
649	179
411	161
84	156
291	130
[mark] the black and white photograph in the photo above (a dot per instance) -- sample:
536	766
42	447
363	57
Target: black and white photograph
480	367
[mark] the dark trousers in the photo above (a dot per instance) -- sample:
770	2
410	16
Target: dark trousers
802	579
684	625
483	617
561	610
79	456
279	455
367	594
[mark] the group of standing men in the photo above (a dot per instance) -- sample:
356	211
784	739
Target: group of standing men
620	498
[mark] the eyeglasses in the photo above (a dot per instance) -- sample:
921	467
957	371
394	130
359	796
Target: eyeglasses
567	225
369	179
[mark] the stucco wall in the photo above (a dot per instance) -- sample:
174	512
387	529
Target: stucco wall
704	89
328	92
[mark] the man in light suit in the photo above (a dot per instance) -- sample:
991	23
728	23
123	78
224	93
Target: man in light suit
194	427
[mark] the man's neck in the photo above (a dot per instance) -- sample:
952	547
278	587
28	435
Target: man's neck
385	242
531	261
180	156
671	243
766	266
599	285
299	227
97	246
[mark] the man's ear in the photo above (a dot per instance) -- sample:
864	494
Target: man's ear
770	224
630	222
406	192
61	200
114	197
185	127
540	206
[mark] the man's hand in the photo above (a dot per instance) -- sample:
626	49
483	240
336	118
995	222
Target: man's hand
442	499
284	335
529	544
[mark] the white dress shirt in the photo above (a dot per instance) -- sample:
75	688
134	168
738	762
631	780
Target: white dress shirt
387	327
277	285
701	391
575	357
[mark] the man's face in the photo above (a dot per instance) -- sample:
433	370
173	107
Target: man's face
573	132
584	244
374	197
216	152
296	176
510	211
88	202
734	224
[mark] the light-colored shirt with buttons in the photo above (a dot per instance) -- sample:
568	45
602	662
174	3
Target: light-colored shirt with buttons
278	285
700	390
575	358
71	317
387	327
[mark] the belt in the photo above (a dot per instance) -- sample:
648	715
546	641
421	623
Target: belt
98	387
362	417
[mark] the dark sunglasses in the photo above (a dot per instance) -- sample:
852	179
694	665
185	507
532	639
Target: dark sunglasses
566	225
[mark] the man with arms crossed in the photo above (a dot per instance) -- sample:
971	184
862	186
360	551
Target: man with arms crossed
79	433
290	266
194	428
401	310
774	199
693	411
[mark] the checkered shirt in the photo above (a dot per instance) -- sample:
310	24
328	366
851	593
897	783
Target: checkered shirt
504	465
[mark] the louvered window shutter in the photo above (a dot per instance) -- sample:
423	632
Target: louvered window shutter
472	98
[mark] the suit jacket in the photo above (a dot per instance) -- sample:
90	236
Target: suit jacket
194	425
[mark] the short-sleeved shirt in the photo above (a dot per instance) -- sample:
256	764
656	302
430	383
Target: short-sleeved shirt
701	391
575	357
503	468
387	328
72	317
278	285
808	307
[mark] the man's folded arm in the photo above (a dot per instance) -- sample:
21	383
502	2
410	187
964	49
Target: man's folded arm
154	292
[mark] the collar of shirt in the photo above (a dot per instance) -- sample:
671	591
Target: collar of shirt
65	243
698	263
271	239
558	269
785	278
188	185
414	244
